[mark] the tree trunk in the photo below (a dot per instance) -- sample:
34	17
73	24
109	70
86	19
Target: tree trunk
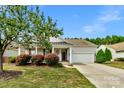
44	52
1	55
1	62
29	51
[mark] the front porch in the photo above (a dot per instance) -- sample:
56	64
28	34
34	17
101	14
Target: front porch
65	54
62	49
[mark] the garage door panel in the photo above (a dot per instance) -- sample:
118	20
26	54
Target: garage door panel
82	58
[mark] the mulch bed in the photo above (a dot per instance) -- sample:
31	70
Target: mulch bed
11	74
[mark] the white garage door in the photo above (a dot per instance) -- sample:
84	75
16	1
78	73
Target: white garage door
83	58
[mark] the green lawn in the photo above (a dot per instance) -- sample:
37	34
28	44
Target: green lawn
117	64
44	76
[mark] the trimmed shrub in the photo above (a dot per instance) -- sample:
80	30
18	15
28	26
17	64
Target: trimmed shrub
22	60
12	59
102	56
119	59
37	59
51	59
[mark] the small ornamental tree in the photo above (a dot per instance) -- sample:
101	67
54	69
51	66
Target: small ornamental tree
108	54
100	56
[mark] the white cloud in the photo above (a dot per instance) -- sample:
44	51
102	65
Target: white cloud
100	22
88	28
94	28
108	17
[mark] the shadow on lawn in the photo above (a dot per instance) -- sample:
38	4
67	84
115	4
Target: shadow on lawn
59	65
10	74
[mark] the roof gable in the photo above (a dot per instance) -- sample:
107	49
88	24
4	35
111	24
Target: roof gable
59	39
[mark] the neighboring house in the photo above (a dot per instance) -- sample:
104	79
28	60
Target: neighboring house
117	50
72	50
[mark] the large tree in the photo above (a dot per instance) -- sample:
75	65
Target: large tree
40	29
12	25
26	26
43	29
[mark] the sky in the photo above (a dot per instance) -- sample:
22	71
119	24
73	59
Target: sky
87	21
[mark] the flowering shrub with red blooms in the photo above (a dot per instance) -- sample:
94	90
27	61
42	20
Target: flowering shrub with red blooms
37	59
22	60
51	59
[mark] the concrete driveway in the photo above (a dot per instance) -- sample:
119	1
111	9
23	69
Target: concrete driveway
102	76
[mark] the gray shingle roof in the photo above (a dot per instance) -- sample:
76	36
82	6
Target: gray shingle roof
119	47
80	43
70	42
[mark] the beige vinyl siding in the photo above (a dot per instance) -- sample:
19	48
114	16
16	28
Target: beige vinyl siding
11	53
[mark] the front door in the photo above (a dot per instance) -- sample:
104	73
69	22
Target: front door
64	54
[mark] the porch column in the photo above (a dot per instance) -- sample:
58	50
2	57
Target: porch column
52	49
19	51
70	55
60	54
36	50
